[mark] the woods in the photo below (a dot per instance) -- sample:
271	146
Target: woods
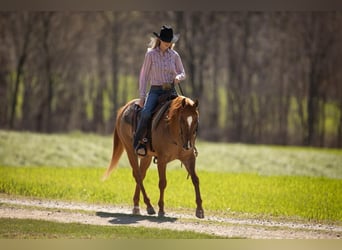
260	77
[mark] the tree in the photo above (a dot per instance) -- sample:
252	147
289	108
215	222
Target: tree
260	77
317	35
5	67
46	25
21	36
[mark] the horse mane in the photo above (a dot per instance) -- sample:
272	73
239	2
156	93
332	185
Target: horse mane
175	108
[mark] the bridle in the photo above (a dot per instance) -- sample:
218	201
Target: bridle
185	139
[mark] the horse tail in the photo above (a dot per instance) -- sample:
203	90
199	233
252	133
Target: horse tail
118	149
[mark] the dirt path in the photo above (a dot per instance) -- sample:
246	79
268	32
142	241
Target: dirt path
68	212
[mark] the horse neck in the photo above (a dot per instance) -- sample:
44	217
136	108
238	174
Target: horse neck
174	125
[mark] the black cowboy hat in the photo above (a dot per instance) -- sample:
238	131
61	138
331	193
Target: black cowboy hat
166	34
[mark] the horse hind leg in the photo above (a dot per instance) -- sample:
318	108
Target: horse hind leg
144	165
138	176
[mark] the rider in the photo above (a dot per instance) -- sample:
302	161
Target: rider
163	68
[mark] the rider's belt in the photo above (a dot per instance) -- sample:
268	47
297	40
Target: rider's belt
164	86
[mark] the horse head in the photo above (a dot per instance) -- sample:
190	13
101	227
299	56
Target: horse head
189	118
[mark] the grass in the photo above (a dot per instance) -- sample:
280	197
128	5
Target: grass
39	229
236	179
310	198
90	150
62	150
270	160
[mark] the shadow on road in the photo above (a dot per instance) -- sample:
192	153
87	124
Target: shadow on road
125	219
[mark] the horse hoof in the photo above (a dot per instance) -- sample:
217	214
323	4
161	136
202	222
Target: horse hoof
200	213
150	210
161	214
136	211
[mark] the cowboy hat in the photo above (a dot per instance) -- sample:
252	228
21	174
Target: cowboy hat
166	35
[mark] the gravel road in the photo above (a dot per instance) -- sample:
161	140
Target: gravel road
68	212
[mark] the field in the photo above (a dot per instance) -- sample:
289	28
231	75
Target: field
35	229
240	181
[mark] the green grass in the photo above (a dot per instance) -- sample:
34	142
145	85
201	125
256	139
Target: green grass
310	198
270	160
89	150
39	229
64	150
236	179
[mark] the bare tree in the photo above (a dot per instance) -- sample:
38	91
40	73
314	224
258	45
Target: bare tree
317	38
21	35
46	24
101	86
260	77
5	67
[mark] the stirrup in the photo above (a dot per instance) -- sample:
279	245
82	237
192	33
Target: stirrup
141	150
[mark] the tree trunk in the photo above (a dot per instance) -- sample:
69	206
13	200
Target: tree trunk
115	60
20	68
4	72
46	19
98	119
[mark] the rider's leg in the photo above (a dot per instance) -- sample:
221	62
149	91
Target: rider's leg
146	114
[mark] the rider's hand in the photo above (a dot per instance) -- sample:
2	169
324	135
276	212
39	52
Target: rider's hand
176	81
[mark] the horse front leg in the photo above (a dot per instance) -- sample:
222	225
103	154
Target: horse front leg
190	166
162	186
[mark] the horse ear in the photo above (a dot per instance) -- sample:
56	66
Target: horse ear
196	103
183	102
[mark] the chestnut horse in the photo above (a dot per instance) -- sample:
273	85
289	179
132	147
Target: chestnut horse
173	137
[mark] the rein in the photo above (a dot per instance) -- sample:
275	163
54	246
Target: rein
180	89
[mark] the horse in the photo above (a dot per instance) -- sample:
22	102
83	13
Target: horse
173	134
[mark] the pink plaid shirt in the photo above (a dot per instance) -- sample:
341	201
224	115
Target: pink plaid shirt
159	68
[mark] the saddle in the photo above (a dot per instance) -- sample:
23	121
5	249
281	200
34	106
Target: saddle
132	116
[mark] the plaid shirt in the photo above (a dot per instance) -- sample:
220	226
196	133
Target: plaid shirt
159	68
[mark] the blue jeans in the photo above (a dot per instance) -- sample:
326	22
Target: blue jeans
146	113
